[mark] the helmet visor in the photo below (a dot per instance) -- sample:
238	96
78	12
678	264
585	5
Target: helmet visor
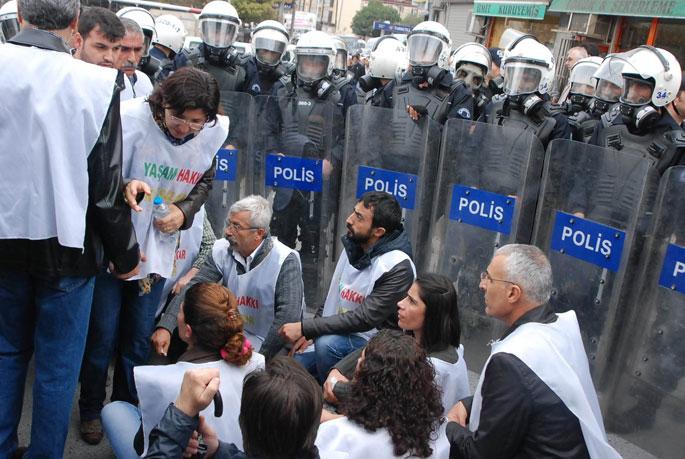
521	78
610	69
218	33
608	91
636	91
311	68
268	51
582	73
581	88
10	27
341	59
424	50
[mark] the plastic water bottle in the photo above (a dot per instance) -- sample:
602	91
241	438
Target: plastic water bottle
161	210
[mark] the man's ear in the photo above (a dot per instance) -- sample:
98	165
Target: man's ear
378	232
515	294
261	232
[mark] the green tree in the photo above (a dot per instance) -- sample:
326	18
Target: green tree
412	19
362	22
255	10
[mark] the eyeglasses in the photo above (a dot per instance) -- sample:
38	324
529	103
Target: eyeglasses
236	227
192	126
486	275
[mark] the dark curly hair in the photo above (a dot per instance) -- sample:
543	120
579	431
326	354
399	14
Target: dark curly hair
186	89
394	388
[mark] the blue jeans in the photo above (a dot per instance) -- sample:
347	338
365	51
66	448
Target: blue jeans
121	320
121	422
329	350
47	318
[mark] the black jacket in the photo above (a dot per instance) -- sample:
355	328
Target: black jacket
521	417
109	231
379	309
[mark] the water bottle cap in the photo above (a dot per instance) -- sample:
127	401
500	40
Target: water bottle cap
158	201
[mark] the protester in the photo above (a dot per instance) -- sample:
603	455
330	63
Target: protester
99	37
169	142
138	84
279	416
535	396
264	274
394	407
62	210
429	312
373	273
210	324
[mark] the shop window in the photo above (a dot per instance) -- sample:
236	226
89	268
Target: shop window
669	36
635	32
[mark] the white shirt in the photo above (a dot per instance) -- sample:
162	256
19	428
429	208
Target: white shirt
246	262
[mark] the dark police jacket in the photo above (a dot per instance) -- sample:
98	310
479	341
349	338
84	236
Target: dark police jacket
524	417
109	231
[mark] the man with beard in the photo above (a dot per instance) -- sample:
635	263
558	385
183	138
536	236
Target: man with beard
263	273
99	37
138	84
373	273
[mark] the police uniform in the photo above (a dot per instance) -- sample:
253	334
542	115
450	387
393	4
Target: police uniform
228	71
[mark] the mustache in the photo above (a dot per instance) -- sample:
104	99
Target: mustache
128	65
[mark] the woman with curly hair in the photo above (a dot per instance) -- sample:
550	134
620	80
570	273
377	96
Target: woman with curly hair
394	407
209	322
429	313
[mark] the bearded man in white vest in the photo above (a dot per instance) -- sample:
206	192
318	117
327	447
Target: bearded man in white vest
263	273
62	211
535	396
374	272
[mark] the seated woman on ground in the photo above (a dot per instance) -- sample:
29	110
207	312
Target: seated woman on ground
210	324
430	314
393	408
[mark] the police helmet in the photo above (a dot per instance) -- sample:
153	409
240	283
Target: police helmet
269	41
582	76
340	64
471	62
171	32
9	21
429	44
315	56
528	67
650	75
609	79
219	24
145	21
388	59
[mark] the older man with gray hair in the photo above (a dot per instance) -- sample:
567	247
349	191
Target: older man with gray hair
535	397
264	274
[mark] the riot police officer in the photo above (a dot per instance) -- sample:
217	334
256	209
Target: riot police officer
472	63
219	24
170	37
581	91
428	87
388	62
264	70
148	65
647	121
528	70
9	21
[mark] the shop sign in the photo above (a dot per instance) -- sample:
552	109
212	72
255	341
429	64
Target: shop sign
510	9
643	8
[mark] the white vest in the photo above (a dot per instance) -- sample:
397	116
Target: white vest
255	290
172	171
344	438
142	88
159	385
350	287
51	112
555	353
187	251
452	379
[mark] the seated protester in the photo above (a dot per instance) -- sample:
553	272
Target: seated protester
394	407
430	313
168	145
535	397
373	273
210	324
264	273
279	417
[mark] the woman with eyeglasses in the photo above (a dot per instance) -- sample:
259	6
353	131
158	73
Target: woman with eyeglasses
430	314
168	145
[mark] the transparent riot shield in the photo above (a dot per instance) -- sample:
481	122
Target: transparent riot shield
299	149
592	206
388	151
647	405
234	175
487	187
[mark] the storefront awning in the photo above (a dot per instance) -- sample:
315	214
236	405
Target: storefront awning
643	8
510	9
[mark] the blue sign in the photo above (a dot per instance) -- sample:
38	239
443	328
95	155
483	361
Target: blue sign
481	208
293	172
673	271
589	241
398	184
391	28
226	164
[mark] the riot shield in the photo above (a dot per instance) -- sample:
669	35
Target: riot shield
388	151
487	187
299	148
648	399
234	175
590	213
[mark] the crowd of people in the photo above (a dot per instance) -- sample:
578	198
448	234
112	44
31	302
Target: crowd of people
110	131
